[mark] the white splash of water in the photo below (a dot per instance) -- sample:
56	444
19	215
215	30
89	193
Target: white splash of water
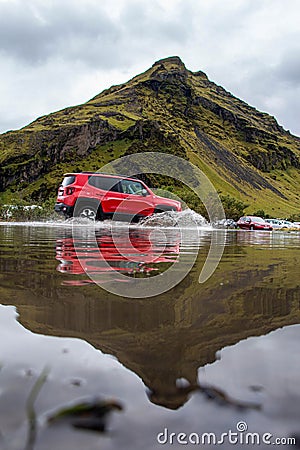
184	219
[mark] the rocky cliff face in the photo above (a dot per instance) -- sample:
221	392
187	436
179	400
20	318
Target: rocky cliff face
168	108
38	152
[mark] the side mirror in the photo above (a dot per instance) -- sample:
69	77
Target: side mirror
144	192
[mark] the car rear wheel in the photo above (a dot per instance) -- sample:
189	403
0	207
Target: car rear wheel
252	227
90	211
87	212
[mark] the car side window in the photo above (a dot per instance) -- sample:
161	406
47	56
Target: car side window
132	187
105	183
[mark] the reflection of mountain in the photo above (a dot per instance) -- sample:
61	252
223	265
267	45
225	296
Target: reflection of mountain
170	336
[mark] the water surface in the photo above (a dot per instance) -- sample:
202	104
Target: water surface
237	332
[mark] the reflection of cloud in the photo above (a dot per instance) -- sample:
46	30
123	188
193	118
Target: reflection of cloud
262	363
257	370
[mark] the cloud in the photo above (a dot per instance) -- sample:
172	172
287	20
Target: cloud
42	30
288	69
83	30
54	54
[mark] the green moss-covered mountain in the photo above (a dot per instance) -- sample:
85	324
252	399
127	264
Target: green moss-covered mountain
244	152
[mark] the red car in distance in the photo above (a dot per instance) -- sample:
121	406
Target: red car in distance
253	223
98	196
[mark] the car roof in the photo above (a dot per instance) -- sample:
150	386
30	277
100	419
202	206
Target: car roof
251	217
108	175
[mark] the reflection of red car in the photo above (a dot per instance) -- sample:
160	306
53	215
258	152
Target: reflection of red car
100	196
253	223
132	254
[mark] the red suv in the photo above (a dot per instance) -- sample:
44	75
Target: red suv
98	196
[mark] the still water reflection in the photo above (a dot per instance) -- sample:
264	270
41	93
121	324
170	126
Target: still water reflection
254	290
139	252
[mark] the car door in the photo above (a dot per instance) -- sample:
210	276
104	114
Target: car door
137	199
107	190
113	196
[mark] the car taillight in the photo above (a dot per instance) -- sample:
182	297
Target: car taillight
70	190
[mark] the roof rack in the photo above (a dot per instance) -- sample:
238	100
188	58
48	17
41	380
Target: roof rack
102	173
110	174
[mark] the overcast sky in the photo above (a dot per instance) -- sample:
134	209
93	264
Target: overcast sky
57	53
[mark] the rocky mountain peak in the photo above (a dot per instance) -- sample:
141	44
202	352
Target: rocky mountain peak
168	66
173	61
